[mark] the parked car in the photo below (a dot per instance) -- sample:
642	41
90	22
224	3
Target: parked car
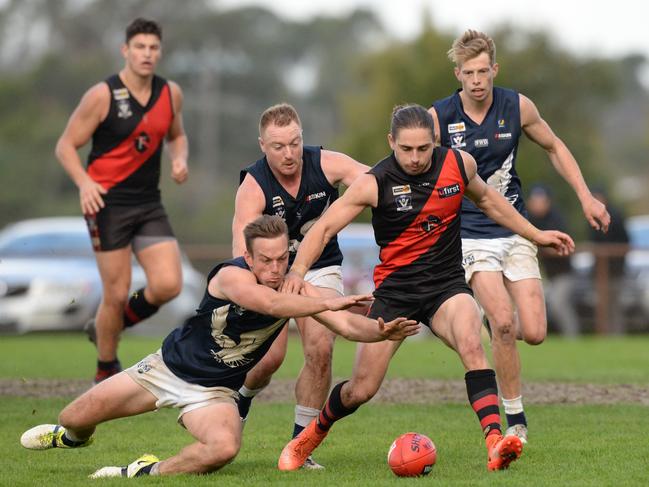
49	280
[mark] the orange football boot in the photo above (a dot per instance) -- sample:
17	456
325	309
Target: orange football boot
299	448
503	450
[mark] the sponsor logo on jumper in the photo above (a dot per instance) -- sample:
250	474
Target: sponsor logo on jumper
397	190
404	202
456	127
448	191
120	94
278	201
481	142
316	196
142	142
501	123
457	140
504	135
124	109
430	223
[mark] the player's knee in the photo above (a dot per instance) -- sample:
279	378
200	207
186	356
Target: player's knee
164	290
319	356
534	337
360	394
115	296
219	454
503	328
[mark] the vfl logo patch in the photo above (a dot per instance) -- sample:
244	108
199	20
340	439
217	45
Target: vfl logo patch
142	142
505	135
456	127
404	203
457	141
124	109
481	142
397	190
448	191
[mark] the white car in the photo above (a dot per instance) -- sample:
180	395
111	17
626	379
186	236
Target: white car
49	280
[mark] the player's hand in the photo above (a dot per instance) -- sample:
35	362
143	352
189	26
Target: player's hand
559	241
90	197
344	302
292	283
179	170
596	214
397	329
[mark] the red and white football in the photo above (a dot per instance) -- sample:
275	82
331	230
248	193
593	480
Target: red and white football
412	455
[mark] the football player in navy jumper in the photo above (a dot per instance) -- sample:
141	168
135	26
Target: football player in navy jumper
298	183
202	364
502	268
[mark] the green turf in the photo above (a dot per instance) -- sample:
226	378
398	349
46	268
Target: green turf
591	359
570	445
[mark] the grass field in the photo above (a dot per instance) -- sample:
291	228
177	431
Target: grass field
570	444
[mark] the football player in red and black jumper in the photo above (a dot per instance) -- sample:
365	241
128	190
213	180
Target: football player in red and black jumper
128	116
416	195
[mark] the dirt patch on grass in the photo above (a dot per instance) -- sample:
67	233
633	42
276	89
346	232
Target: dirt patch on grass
412	391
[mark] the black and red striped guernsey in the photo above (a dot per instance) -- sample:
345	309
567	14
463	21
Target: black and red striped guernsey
127	145
417	226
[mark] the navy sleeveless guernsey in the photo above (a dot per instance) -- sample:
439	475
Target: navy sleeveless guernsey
222	342
417	226
314	196
127	145
494	145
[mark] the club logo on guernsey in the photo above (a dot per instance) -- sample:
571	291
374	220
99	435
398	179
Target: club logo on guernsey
404	203
430	223
397	190
453	128
501	123
142	142
457	141
448	191
124	109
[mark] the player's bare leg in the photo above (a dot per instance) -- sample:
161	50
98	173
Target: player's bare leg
115	271
457	323
491	291
371	365
162	267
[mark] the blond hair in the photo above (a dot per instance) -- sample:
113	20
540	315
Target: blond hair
470	45
281	115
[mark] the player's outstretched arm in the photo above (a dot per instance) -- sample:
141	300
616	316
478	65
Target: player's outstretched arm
358	328
496	207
